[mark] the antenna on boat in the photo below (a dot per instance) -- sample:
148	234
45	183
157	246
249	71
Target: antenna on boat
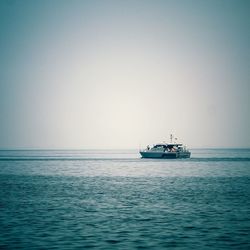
171	138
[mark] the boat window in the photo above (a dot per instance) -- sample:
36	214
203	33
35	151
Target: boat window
159	146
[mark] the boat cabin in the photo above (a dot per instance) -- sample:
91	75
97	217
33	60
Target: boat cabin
173	147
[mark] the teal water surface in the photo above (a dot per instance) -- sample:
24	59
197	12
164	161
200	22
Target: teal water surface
113	199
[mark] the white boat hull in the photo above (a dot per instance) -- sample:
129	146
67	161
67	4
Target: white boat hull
165	155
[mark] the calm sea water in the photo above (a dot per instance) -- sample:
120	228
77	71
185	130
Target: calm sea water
111	199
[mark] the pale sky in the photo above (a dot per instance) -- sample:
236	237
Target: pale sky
123	74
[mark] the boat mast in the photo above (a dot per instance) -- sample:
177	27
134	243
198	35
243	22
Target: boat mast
171	138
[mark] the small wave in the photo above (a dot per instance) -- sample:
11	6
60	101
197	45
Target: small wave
64	159
221	159
192	159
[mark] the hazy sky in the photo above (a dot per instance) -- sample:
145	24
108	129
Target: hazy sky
119	74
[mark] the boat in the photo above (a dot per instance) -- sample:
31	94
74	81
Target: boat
166	150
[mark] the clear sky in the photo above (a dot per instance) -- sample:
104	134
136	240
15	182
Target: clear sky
123	74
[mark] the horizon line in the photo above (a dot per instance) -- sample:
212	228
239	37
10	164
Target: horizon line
94	149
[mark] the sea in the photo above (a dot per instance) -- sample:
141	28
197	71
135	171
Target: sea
113	199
